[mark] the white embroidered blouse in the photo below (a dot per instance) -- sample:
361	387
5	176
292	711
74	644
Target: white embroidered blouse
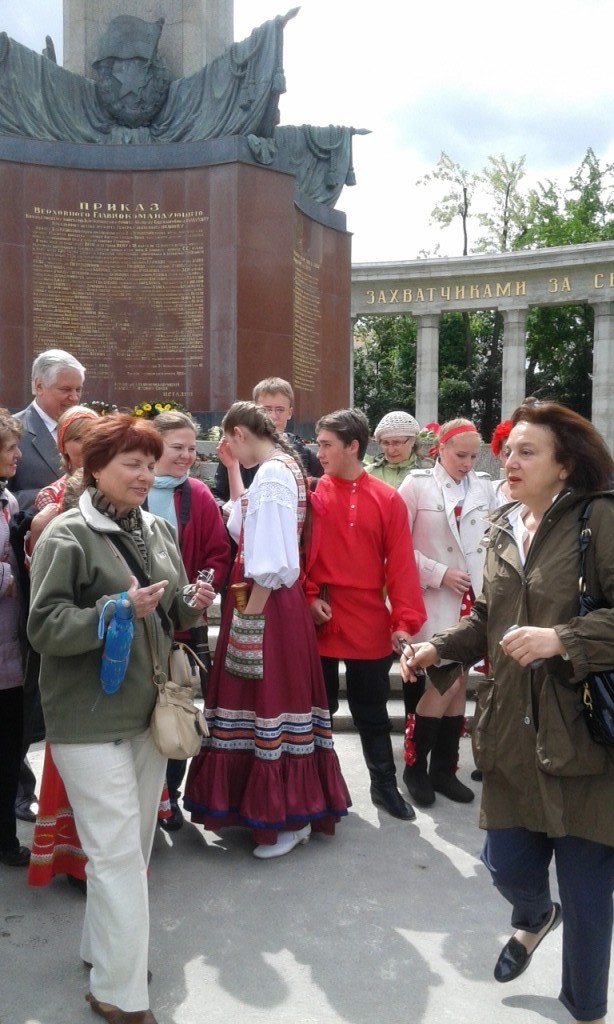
270	541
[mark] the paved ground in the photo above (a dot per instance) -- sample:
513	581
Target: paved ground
388	922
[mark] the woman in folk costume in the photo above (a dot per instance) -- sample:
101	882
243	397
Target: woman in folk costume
269	763
446	506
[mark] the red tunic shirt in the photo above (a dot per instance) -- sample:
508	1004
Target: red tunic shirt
364	554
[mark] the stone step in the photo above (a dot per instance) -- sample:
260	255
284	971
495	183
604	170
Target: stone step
343	719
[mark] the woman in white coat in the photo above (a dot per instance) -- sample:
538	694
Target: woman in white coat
447	506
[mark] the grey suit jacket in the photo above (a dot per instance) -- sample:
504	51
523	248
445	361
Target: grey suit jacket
39	464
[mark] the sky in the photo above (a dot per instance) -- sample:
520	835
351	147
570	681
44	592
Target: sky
530	78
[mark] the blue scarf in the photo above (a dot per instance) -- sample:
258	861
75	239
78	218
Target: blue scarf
161	500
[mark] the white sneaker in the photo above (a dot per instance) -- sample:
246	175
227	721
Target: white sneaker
286	841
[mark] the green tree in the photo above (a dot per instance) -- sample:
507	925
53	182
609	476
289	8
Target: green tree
582	212
384	365
560	338
461	185
506	217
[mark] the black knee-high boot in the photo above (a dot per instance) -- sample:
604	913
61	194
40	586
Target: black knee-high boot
377	751
444	761
420	738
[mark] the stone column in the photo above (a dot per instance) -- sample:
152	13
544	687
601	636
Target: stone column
513	384
603	371
195	31
427	368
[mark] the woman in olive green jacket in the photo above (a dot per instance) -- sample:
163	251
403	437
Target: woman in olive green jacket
101	742
548	787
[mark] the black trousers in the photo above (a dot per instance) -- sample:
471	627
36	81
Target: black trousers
368	689
11	731
518	861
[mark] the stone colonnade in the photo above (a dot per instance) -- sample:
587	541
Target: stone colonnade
511	283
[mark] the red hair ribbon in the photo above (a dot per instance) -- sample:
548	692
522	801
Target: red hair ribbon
500	435
465	428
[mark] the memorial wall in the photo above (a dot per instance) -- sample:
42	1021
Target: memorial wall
189	283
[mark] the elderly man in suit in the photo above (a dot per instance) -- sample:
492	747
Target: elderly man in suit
57	383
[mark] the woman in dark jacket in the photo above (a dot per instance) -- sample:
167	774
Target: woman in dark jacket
12	637
548	787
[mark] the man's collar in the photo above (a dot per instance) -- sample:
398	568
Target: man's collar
50	423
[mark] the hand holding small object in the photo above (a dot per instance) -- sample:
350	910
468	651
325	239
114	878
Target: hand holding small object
201	594
415	658
531	645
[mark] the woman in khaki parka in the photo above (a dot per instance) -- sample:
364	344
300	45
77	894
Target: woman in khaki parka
548	787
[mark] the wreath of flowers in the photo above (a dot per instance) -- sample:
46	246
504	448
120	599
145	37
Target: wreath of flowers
102	408
149	410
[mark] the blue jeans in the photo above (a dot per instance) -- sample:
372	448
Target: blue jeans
518	861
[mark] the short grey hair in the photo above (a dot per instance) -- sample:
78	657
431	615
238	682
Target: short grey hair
48	364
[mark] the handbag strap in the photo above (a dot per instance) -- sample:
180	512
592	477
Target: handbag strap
186	647
160	677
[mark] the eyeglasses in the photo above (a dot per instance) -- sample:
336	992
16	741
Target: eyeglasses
395	442
278	410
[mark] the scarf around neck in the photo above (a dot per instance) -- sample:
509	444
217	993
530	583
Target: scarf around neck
131	523
161	500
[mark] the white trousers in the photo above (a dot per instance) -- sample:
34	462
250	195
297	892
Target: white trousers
114	790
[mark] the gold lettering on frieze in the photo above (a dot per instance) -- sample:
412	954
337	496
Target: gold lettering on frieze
463	292
554	286
598	281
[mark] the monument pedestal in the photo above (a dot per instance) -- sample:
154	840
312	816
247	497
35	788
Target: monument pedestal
184	273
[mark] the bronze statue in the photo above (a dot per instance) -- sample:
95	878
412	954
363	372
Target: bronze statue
133	100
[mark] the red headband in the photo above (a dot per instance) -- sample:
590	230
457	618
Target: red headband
466	428
79	414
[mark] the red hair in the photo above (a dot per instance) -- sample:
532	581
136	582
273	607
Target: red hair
114	434
500	434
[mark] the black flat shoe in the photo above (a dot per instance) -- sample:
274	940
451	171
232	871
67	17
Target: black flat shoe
26	808
174	822
77	883
514	958
15	857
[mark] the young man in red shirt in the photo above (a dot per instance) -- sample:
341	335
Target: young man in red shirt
363	589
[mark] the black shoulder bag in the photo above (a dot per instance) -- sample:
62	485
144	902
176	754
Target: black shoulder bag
597	687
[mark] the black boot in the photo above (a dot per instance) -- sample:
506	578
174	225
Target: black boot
377	750
412	695
444	762
415	775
